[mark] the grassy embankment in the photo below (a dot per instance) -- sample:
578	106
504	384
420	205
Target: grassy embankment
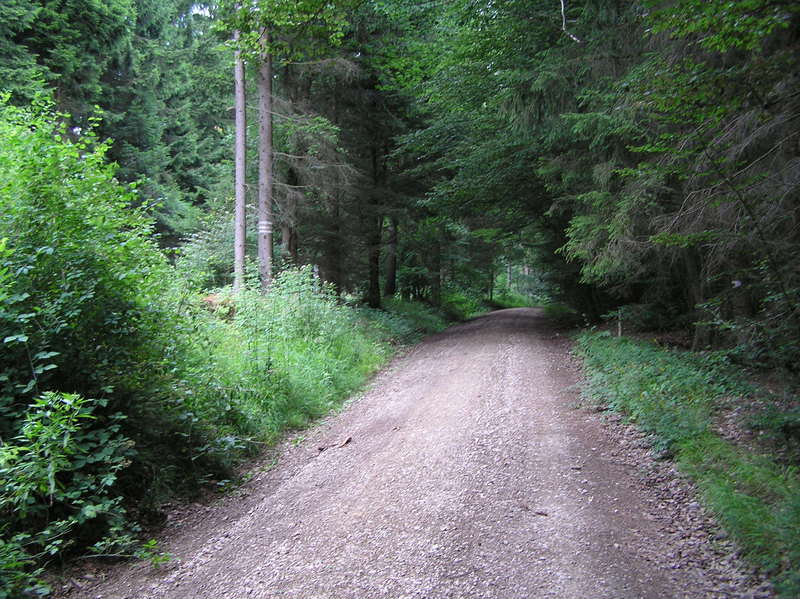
675	396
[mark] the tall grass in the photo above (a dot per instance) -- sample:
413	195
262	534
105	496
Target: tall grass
674	397
280	360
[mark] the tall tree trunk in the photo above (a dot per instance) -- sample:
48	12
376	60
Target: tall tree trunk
374	242
390	287
289	250
435	273
265	171
333	247
492	275
239	227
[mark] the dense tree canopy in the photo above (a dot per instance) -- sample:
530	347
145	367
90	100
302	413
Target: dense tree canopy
631	159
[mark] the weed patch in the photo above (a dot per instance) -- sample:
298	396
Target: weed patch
673	396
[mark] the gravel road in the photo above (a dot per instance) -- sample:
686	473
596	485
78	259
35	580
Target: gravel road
464	471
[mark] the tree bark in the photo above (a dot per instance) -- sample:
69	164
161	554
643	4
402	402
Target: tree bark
289	243
374	242
492	275
435	274
239	227
695	295
390	286
289	249
333	247
265	170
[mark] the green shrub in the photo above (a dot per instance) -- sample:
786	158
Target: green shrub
285	358
57	477
510	299
90	308
460	304
406	321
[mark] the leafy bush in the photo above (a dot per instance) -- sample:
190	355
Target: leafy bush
284	358
79	279
461	304
90	308
510	299
57	479
407	321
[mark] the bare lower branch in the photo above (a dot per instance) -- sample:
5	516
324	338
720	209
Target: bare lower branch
564	23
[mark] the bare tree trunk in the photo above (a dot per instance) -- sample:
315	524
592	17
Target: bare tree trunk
374	249
492	275
435	274
265	171
333	247
695	293
239	227
289	244
390	287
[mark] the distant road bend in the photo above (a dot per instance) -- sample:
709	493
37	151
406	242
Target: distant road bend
463	472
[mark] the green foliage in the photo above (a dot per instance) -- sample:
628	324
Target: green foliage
406	322
79	273
57	480
510	299
82	265
165	110
459	303
722	25
665	393
294	28
673	396
151	552
781	426
63	45
284	359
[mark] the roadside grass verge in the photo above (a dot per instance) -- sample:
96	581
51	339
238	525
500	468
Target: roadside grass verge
674	396
509	299
279	360
405	321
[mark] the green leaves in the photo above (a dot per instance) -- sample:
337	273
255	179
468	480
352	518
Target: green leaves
50	489
722	25
287	29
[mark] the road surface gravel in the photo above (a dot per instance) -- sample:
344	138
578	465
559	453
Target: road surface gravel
464	471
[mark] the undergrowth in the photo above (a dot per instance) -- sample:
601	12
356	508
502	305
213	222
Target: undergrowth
119	386
673	396
510	299
405	322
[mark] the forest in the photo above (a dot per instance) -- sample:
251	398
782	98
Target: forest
218	218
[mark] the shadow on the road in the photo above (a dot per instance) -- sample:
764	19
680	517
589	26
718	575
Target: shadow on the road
532	321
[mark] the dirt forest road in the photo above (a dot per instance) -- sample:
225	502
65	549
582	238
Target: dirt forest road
465	471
